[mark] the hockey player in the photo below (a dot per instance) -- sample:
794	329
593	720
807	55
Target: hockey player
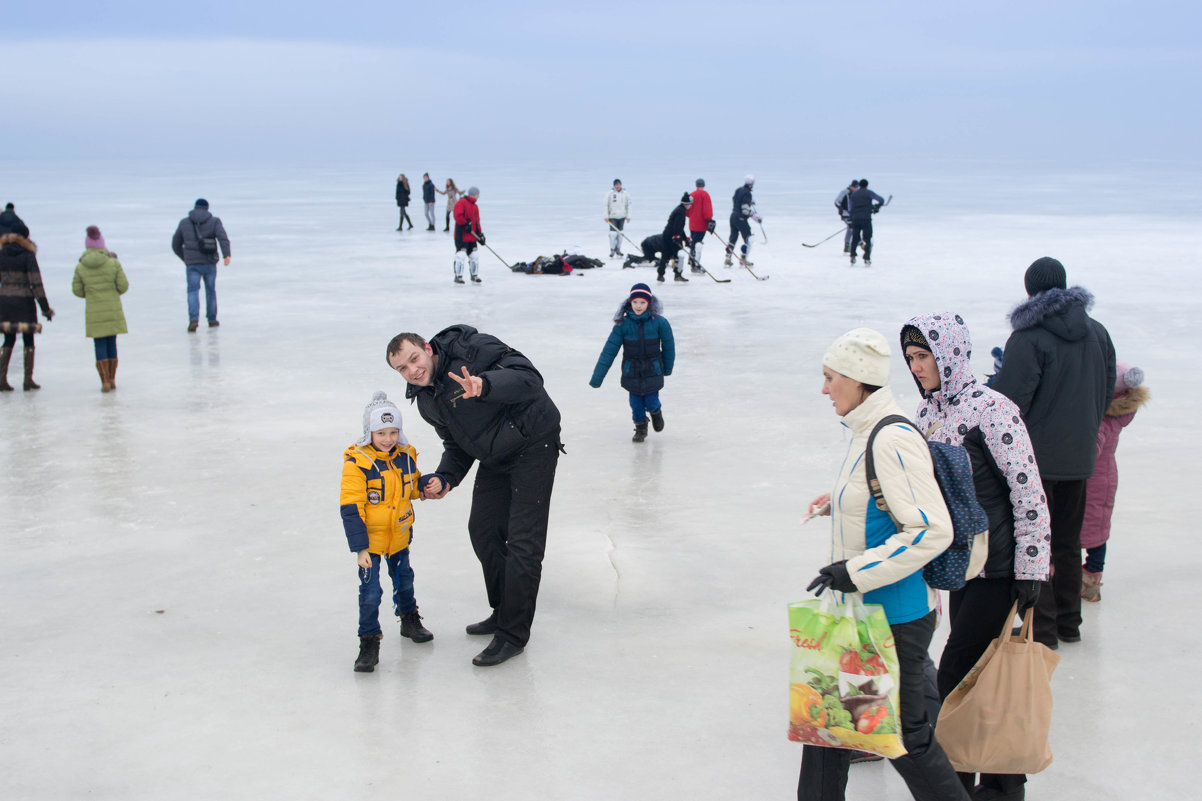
701	220
862	204
617	212
652	246
743	209
467	234
843	206
675	240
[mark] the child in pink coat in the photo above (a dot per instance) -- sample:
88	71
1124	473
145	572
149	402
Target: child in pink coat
1129	395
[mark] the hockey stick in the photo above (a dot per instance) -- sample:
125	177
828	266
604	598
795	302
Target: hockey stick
622	234
743	263
832	236
694	263
762	231
493	252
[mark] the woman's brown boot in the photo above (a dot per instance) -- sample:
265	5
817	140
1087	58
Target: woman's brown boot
29	371
6	355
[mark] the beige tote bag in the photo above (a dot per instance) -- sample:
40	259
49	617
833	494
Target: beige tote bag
997	719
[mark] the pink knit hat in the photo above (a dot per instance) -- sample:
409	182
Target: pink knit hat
94	239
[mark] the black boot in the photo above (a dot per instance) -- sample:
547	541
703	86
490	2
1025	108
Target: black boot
657	420
369	653
6	355
640	432
411	627
679	276
486	626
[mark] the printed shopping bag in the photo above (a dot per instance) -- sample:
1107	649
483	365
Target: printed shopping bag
997	719
843	689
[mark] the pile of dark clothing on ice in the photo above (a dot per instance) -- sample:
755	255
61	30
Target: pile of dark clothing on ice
556	265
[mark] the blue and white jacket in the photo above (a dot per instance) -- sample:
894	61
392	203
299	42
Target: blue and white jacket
886	564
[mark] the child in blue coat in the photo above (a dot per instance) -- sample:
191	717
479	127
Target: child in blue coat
647	355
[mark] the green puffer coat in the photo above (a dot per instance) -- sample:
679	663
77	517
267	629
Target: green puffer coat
100	280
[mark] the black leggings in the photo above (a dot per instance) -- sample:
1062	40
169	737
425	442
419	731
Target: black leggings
10	338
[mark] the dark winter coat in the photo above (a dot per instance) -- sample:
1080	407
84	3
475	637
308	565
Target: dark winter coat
674	230
20	281
427	191
1059	370
861	202
10	223
100	280
185	244
513	412
744	203
652	246
402	194
648	350
1004	471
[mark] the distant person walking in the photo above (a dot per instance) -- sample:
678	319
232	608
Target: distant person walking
742	210
196	240
10	223
843	206
467	234
701	221
402	202
428	191
617	212
453	194
101	282
862	203
20	288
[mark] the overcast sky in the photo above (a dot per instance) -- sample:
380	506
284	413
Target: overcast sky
1077	82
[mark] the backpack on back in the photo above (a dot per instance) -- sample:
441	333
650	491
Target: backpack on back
965	557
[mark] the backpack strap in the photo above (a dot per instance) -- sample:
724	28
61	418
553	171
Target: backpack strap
874	484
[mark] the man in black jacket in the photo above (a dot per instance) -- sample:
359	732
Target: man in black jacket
428	199
675	239
862	203
195	242
487	403
1059	369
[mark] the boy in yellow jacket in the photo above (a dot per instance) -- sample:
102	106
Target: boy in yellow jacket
379	481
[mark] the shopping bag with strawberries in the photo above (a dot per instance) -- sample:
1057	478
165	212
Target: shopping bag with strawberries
843	689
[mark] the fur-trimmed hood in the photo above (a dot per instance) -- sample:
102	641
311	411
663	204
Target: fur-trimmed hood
1061	311
19	240
1129	402
655	308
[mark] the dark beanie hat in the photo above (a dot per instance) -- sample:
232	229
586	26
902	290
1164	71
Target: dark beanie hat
1045	273
686	198
201	203
640	291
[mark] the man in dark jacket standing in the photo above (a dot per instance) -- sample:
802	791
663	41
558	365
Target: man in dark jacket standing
487	403
428	199
862	203
1059	369
196	240
675	239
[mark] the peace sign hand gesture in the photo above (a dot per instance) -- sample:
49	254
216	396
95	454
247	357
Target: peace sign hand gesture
473	385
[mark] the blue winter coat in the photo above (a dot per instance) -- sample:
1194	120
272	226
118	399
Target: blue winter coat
648	349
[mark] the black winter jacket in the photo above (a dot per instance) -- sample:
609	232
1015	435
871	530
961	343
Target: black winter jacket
427	191
1059	370
674	230
402	195
742	202
861	202
185	244
514	412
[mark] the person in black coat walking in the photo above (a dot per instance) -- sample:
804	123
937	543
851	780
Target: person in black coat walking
1059	369
675	239
402	201
20	289
488	405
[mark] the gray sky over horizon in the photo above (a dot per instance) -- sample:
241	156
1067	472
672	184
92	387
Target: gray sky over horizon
1075	82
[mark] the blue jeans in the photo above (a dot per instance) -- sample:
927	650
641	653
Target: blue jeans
207	272
106	347
641	404
370	592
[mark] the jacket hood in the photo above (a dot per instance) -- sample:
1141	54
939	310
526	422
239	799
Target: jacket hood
366	455
655	308
1129	402
199	215
93	258
951	345
1061	311
19	241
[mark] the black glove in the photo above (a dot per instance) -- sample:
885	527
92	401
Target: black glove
833	576
1026	592
875	209
710	225
480	237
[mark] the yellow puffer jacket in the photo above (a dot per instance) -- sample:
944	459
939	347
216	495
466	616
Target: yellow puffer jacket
377	490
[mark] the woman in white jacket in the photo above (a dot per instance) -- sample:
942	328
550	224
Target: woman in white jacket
881	554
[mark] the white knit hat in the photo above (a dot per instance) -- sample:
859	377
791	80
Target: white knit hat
862	355
381	413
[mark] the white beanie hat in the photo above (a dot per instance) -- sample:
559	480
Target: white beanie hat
381	413
862	355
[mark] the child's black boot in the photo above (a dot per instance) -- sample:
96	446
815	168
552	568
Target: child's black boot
411	627
657	420
640	432
369	653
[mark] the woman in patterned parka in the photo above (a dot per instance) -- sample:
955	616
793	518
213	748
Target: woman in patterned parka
958	410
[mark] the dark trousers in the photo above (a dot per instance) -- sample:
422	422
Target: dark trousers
862	229
508	528
1058	611
105	347
738	226
924	768
10	339
671	249
977	614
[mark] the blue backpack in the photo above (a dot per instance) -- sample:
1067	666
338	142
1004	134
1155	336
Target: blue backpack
953	473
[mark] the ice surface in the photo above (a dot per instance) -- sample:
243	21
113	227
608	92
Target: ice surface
179	603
